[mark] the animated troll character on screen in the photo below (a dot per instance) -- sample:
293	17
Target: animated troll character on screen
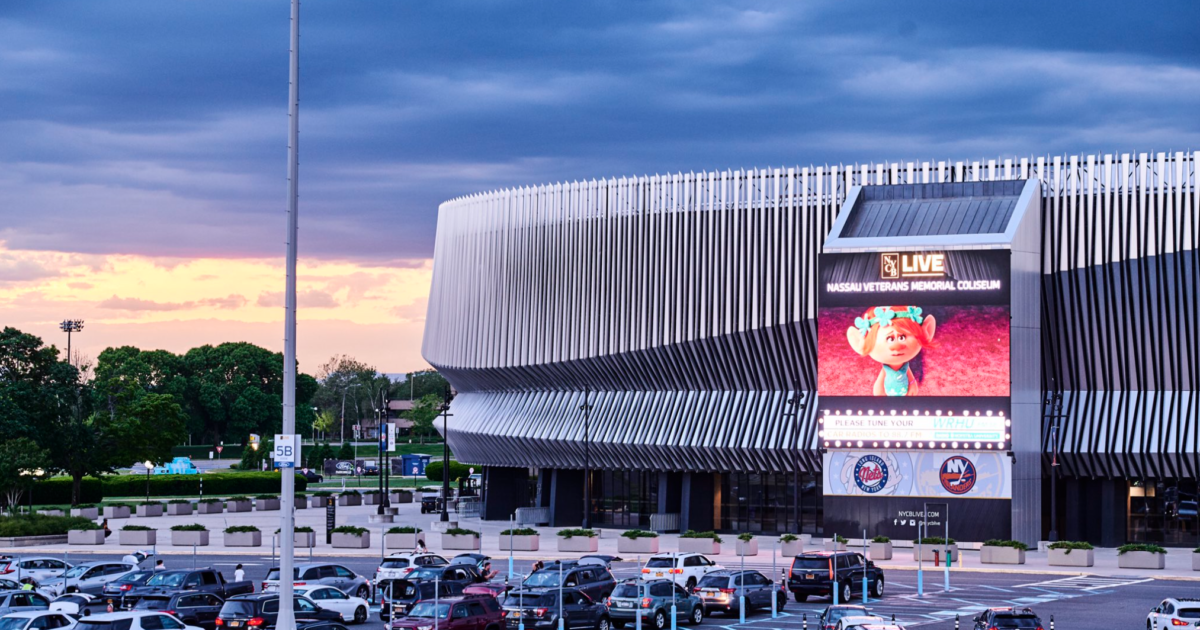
893	336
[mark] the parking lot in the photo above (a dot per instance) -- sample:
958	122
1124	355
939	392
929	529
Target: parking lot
1073	601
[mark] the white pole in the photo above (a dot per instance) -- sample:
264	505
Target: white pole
287	514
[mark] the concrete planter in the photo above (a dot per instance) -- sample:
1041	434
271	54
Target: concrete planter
1195	561
880	551
1141	560
86	512
179	509
210	508
243	539
403	541
305	540
746	547
350	541
1001	555
706	546
349	499
832	545
790	549
519	543
116	512
266	505
637	545
316	502
154	509
300	503
463	542
189	538
85	537
371	499
927	552
139	537
32	541
1072	557
401	497
578	544
50	512
238	506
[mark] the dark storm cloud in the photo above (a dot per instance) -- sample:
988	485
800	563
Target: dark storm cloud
159	127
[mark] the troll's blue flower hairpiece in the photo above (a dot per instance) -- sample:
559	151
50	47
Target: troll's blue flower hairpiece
884	316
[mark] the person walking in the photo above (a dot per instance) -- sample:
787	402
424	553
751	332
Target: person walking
239	574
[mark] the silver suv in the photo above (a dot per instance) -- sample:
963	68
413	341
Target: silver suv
87	577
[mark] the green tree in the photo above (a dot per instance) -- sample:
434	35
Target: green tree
346	451
325	422
235	389
425	410
417	385
21	462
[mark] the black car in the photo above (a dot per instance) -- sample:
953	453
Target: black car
115	589
540	608
593	579
1008	619
311	475
431	504
193	609
400	595
817	573
463	574
262	611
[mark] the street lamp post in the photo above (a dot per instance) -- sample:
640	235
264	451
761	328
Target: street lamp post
445	457
796	403
69	326
149	466
1054	401
586	407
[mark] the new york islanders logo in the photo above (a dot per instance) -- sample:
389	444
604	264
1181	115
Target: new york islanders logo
957	475
871	474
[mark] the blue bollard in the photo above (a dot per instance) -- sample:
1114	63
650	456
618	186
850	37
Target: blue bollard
741	609
674	614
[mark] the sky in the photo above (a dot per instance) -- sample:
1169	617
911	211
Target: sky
143	143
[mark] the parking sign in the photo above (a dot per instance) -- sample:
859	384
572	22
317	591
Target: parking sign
287	451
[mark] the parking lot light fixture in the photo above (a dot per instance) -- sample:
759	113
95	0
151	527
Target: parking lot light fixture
149	467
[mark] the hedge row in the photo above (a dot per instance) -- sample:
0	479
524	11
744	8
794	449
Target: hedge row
433	471
38	525
57	491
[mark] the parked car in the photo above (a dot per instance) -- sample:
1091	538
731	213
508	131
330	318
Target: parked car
334	575
87	577
724	590
463	574
115	589
352	609
38	568
36	620
398	597
370	467
191	580
133	620
593	579
1008	618
832	614
685	568
193	609
817	573
477	559
261	611
856	622
652	601
397	565
9	585
78	605
311	475
19	601
541	608
470	612
1173	612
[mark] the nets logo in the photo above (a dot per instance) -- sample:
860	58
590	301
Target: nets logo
894	266
871	474
957	475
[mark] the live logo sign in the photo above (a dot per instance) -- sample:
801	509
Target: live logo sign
895	265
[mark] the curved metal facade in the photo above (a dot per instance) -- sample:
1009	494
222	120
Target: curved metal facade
686	303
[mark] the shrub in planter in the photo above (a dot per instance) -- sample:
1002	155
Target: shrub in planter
693	541
350	497
265	502
837	543
179	507
881	548
116	510
1003	552
210	506
576	540
350	537
458	538
401	496
150	508
934	544
37	525
403	537
746	545
637	541
1065	553
88	533
243	536
138	535
85	511
521	539
1141	556
791	545
188	535
238	504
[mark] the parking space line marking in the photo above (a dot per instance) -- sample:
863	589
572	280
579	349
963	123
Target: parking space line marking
995	588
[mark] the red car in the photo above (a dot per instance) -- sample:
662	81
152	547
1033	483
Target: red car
493	589
470	612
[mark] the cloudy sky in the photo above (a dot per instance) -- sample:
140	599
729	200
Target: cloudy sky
143	143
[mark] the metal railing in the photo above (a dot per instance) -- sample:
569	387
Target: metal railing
664	522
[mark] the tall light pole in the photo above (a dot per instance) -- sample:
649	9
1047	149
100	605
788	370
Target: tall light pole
445	456
587	460
69	326
287	515
1054	403
149	467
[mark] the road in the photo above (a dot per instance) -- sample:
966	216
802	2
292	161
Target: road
1074	602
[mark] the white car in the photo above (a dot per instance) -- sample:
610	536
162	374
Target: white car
138	620
685	569
37	567
1174	611
352	609
36	620
882	626
398	565
858	622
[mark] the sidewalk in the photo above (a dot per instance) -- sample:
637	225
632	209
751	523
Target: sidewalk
1178	561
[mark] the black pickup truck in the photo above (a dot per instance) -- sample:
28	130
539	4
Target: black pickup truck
188	580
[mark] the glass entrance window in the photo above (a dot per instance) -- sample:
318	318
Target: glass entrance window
624	498
1164	512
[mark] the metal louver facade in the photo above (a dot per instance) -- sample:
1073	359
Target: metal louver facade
687	304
